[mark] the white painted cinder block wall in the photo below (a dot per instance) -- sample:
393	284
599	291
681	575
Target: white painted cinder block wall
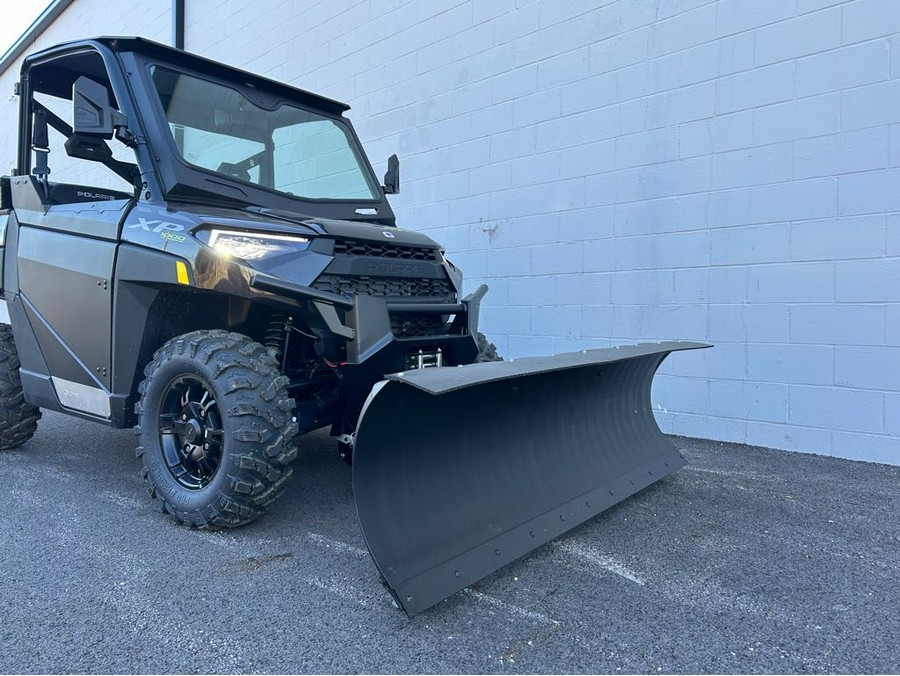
617	171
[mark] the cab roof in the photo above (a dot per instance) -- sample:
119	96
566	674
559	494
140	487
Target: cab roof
192	62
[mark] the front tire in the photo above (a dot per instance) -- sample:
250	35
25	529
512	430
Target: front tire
216	429
18	418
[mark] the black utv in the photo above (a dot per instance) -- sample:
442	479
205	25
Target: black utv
207	255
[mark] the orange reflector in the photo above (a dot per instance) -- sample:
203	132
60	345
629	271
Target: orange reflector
181	272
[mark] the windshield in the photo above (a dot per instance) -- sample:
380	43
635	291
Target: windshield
288	148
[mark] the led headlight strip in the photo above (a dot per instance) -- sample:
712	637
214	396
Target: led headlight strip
254	245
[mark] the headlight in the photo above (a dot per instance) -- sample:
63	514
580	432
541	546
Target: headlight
254	245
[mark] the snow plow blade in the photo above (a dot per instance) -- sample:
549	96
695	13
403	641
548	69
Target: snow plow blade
460	471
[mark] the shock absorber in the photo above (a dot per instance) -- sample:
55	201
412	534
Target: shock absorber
276	335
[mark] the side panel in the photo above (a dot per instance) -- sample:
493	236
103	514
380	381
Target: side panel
67	281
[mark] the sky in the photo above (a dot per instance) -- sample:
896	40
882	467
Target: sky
17	16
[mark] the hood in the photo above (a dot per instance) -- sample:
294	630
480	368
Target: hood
261	218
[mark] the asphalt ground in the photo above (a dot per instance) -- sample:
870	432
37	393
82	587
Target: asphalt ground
748	560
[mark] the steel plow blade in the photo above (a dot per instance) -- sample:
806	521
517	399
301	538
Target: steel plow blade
459	471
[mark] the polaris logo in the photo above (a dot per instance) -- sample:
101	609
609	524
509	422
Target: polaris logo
94	195
398	268
388	234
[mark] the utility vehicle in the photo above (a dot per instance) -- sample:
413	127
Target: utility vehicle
207	255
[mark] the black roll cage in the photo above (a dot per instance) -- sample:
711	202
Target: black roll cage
164	174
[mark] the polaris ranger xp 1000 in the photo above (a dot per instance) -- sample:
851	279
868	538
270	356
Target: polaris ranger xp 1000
207	255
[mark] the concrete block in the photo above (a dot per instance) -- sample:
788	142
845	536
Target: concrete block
748	401
852	151
750	244
870	105
721	429
527	230
853	237
839	324
512	144
675	322
725	208
868	281
736	52
635	81
872	368
666	179
880	448
867	19
792	283
597	320
698	64
632	116
512	262
568	67
681	395
532	290
892	225
837	407
470	154
490	178
556	320
749	323
727	361
574	130
728	284
799	364
576	225
895	139
595	92
535	170
650	147
836	69
683	30
892	413
514	83
752	166
691	285
619	51
588	159
539	107
529	346
789	437
803	118
795	200
642	287
735	16
869	192
586	289
557	259
506	320
893	324
684	104
799	36
754	88
491	119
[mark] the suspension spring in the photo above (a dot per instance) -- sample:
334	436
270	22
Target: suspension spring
276	335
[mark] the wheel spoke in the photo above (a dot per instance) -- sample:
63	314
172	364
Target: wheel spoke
191	413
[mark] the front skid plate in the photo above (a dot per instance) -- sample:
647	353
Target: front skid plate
459	471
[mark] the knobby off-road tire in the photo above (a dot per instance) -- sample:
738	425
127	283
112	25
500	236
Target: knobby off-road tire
18	418
487	351
219	460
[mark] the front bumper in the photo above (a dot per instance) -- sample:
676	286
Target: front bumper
364	322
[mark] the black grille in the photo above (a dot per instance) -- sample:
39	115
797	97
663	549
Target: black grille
408	326
352	247
385	286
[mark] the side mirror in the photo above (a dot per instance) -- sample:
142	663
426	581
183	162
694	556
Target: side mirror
92	114
392	176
